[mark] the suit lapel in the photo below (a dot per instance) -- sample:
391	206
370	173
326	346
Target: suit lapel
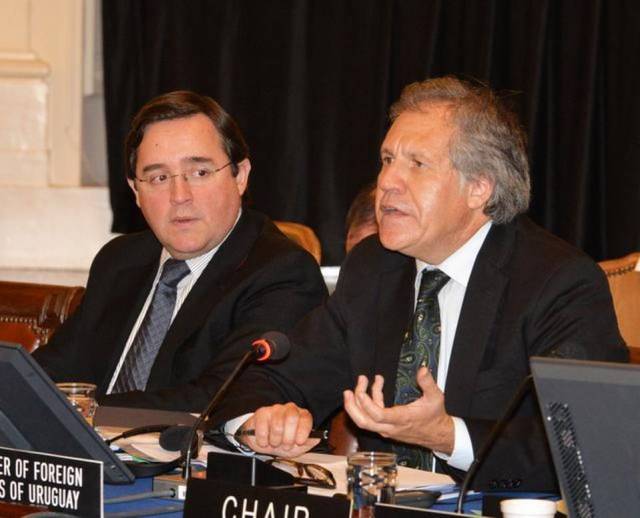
394	311
209	290
477	318
127	296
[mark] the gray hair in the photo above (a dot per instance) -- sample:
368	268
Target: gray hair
488	141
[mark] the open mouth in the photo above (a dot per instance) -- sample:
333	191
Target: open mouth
388	210
182	220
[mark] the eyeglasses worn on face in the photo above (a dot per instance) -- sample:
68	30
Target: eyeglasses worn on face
161	181
308	474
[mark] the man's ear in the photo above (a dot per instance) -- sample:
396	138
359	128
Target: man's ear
132	184
479	191
242	178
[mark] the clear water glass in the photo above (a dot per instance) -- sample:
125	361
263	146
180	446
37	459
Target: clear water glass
82	396
371	478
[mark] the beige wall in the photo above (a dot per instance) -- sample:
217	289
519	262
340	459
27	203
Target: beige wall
47	218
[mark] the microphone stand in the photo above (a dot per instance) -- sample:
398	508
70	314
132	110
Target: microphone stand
272	346
515	401
248	357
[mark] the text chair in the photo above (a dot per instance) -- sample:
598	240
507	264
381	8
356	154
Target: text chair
303	235
624	282
30	313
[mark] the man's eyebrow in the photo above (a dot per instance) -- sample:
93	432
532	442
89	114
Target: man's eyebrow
186	160
418	155
153	167
197	160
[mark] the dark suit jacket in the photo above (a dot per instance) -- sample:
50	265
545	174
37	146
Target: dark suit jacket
258	280
529	294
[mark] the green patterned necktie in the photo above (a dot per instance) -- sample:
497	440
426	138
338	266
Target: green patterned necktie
421	346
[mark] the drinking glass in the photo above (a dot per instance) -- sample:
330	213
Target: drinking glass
82	396
371	478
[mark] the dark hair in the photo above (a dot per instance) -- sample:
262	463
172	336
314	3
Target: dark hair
488	140
362	210
177	105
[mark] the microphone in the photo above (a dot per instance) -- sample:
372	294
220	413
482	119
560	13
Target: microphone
174	438
272	346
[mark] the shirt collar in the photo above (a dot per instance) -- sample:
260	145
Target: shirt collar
459	264
196	264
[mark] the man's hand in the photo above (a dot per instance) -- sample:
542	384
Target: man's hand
280	430
423	422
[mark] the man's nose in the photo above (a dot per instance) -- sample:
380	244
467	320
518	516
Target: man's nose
180	189
389	177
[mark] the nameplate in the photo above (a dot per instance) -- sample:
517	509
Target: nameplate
64	484
216	498
398	511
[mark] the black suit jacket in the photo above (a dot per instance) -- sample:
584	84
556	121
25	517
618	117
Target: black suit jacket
529	294
257	281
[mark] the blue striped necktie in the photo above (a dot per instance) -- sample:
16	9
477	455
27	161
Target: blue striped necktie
146	344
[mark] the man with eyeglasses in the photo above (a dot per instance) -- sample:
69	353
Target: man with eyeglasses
168	312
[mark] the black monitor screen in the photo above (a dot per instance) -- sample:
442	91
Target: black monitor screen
36	416
590	412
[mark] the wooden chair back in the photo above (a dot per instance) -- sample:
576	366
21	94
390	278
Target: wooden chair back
624	282
30	313
342	434
303	235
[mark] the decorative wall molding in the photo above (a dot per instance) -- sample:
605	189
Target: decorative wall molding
19	66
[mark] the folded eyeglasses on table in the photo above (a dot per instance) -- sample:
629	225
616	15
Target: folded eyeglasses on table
308	474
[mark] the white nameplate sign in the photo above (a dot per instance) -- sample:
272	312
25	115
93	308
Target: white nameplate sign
64	484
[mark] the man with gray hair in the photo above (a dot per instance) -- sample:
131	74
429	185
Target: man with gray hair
433	321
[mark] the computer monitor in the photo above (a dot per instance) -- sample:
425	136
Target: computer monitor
36	416
592	421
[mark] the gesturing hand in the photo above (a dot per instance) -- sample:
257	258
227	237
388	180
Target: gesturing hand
280	430
423	422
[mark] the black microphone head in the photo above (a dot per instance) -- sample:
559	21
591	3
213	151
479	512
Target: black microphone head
273	346
175	437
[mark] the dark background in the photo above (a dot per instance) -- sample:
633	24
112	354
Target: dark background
310	83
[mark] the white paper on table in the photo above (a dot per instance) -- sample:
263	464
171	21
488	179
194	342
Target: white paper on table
148	445
155	451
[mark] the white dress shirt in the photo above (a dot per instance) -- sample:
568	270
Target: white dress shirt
196	266
458	267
